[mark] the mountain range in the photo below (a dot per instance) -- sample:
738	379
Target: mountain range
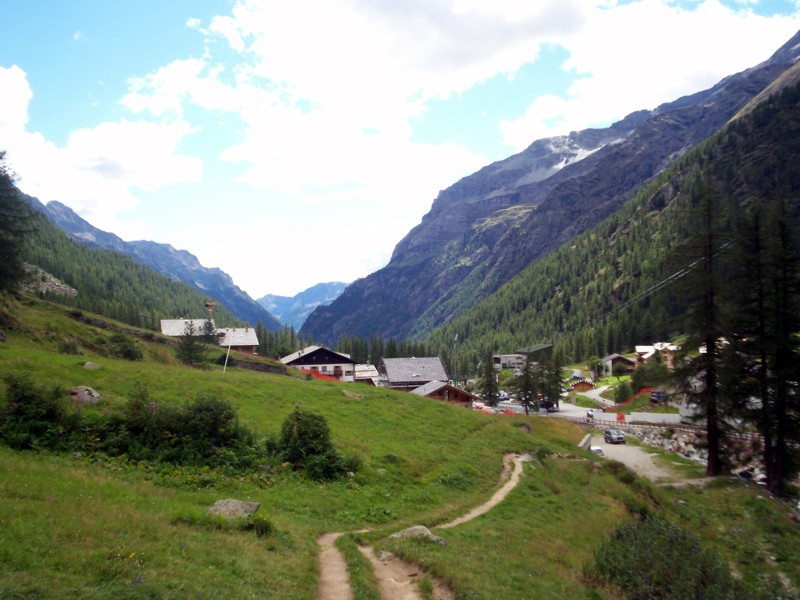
488	227
292	311
175	264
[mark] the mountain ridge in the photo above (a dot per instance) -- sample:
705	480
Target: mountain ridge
292	311
490	225
180	265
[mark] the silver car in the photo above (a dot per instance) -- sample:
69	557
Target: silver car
614	436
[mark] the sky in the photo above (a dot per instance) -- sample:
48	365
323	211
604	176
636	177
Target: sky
294	143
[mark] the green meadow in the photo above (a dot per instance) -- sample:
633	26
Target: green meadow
87	525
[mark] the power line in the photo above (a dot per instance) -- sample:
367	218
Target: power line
663	283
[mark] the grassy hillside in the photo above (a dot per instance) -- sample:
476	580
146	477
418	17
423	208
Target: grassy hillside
84	525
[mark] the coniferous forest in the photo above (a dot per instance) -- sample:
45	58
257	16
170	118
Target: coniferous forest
614	287
110	283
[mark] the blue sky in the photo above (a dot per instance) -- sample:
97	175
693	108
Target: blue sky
294	143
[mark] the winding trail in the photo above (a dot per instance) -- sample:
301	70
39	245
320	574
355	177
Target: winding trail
500	494
397	579
334	580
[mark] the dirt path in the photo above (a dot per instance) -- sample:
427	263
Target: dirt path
334	580
396	578
499	495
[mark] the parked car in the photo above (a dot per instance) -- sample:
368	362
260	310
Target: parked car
614	436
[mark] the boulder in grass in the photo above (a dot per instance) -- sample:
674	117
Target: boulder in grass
233	509
84	395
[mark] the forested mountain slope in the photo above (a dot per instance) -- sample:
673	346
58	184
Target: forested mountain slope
179	265
112	284
486	228
596	294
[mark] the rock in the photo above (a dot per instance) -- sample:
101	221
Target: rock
419	532
91	365
350	394
231	508
84	395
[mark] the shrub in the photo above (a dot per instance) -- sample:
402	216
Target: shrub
32	416
68	346
205	432
305	442
122	346
652	558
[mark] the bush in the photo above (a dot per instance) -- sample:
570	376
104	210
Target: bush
32	416
623	392
122	346
652	558
68	346
305	442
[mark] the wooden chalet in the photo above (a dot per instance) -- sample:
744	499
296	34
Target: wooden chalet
441	390
407	374
322	361
242	339
611	360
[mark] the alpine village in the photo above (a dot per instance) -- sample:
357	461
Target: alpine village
577	377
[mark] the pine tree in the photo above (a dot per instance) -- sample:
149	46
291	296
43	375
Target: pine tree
765	292
191	348
525	386
703	316
14	225
489	379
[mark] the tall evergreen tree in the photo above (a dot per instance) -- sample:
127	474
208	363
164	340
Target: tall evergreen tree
14	224
489	378
703	312
765	294
525	386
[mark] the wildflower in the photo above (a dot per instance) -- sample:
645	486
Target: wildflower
133	555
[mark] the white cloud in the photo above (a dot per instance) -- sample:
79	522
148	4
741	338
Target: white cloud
99	169
308	107
14	99
641	54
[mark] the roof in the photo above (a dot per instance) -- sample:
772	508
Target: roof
414	369
429	388
536	348
237	336
433	387
615	356
366	371
326	356
176	327
647	351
